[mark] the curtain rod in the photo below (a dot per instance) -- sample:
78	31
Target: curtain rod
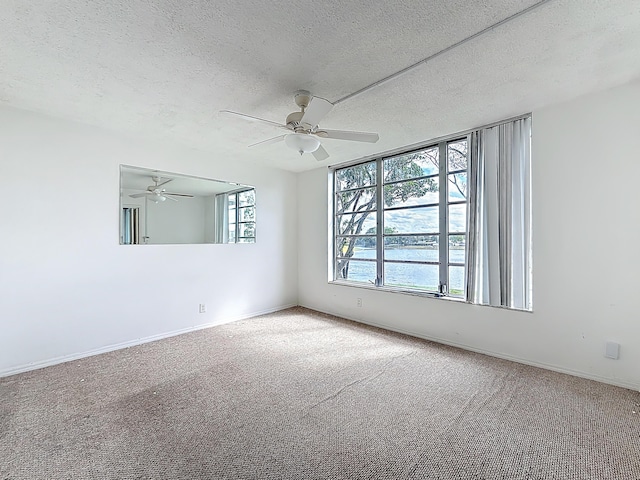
419	145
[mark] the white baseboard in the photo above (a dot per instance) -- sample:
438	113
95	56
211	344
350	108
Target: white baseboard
132	343
512	358
139	341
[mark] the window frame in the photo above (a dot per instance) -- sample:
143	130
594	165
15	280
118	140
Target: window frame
237	238
444	202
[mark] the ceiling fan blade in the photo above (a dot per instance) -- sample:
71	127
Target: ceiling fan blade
170	198
139	195
320	153
348	135
255	119
178	194
316	111
279	138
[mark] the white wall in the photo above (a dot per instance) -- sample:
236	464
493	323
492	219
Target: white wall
586	199
66	285
210	219
127	201
176	222
189	220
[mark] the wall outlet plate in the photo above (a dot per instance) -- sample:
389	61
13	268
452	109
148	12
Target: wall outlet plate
612	350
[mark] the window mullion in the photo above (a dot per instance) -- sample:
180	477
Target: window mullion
443	247
379	223
237	217
335	224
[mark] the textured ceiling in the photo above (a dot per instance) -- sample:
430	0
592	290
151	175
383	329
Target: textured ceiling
134	178
165	68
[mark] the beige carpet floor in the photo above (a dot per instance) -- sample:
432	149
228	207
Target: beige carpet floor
302	395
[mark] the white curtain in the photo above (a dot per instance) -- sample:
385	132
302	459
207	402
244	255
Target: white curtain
499	243
221	224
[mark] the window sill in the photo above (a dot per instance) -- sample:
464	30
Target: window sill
422	294
415	293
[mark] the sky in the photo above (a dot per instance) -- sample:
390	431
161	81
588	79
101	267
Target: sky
424	219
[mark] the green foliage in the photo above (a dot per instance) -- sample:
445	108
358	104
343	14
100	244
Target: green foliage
248	214
358	176
387	231
402	168
460	239
370	242
247	197
250	230
405	168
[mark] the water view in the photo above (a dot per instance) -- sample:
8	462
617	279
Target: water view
409	275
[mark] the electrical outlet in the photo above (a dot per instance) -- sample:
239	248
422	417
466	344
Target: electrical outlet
202	308
359	302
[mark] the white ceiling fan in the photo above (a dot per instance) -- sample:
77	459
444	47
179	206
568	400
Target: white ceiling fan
156	194
304	129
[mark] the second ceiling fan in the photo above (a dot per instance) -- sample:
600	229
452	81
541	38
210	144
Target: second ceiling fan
304	129
155	194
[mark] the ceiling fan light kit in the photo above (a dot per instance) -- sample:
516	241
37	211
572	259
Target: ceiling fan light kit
302	142
156	198
305	129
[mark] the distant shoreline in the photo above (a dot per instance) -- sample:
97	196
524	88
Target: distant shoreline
412	247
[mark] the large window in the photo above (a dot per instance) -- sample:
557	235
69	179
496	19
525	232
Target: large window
452	218
415	237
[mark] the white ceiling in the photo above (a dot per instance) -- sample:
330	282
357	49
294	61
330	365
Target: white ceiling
165	68
135	178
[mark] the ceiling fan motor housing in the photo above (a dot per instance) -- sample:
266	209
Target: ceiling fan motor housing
293	120
302	98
